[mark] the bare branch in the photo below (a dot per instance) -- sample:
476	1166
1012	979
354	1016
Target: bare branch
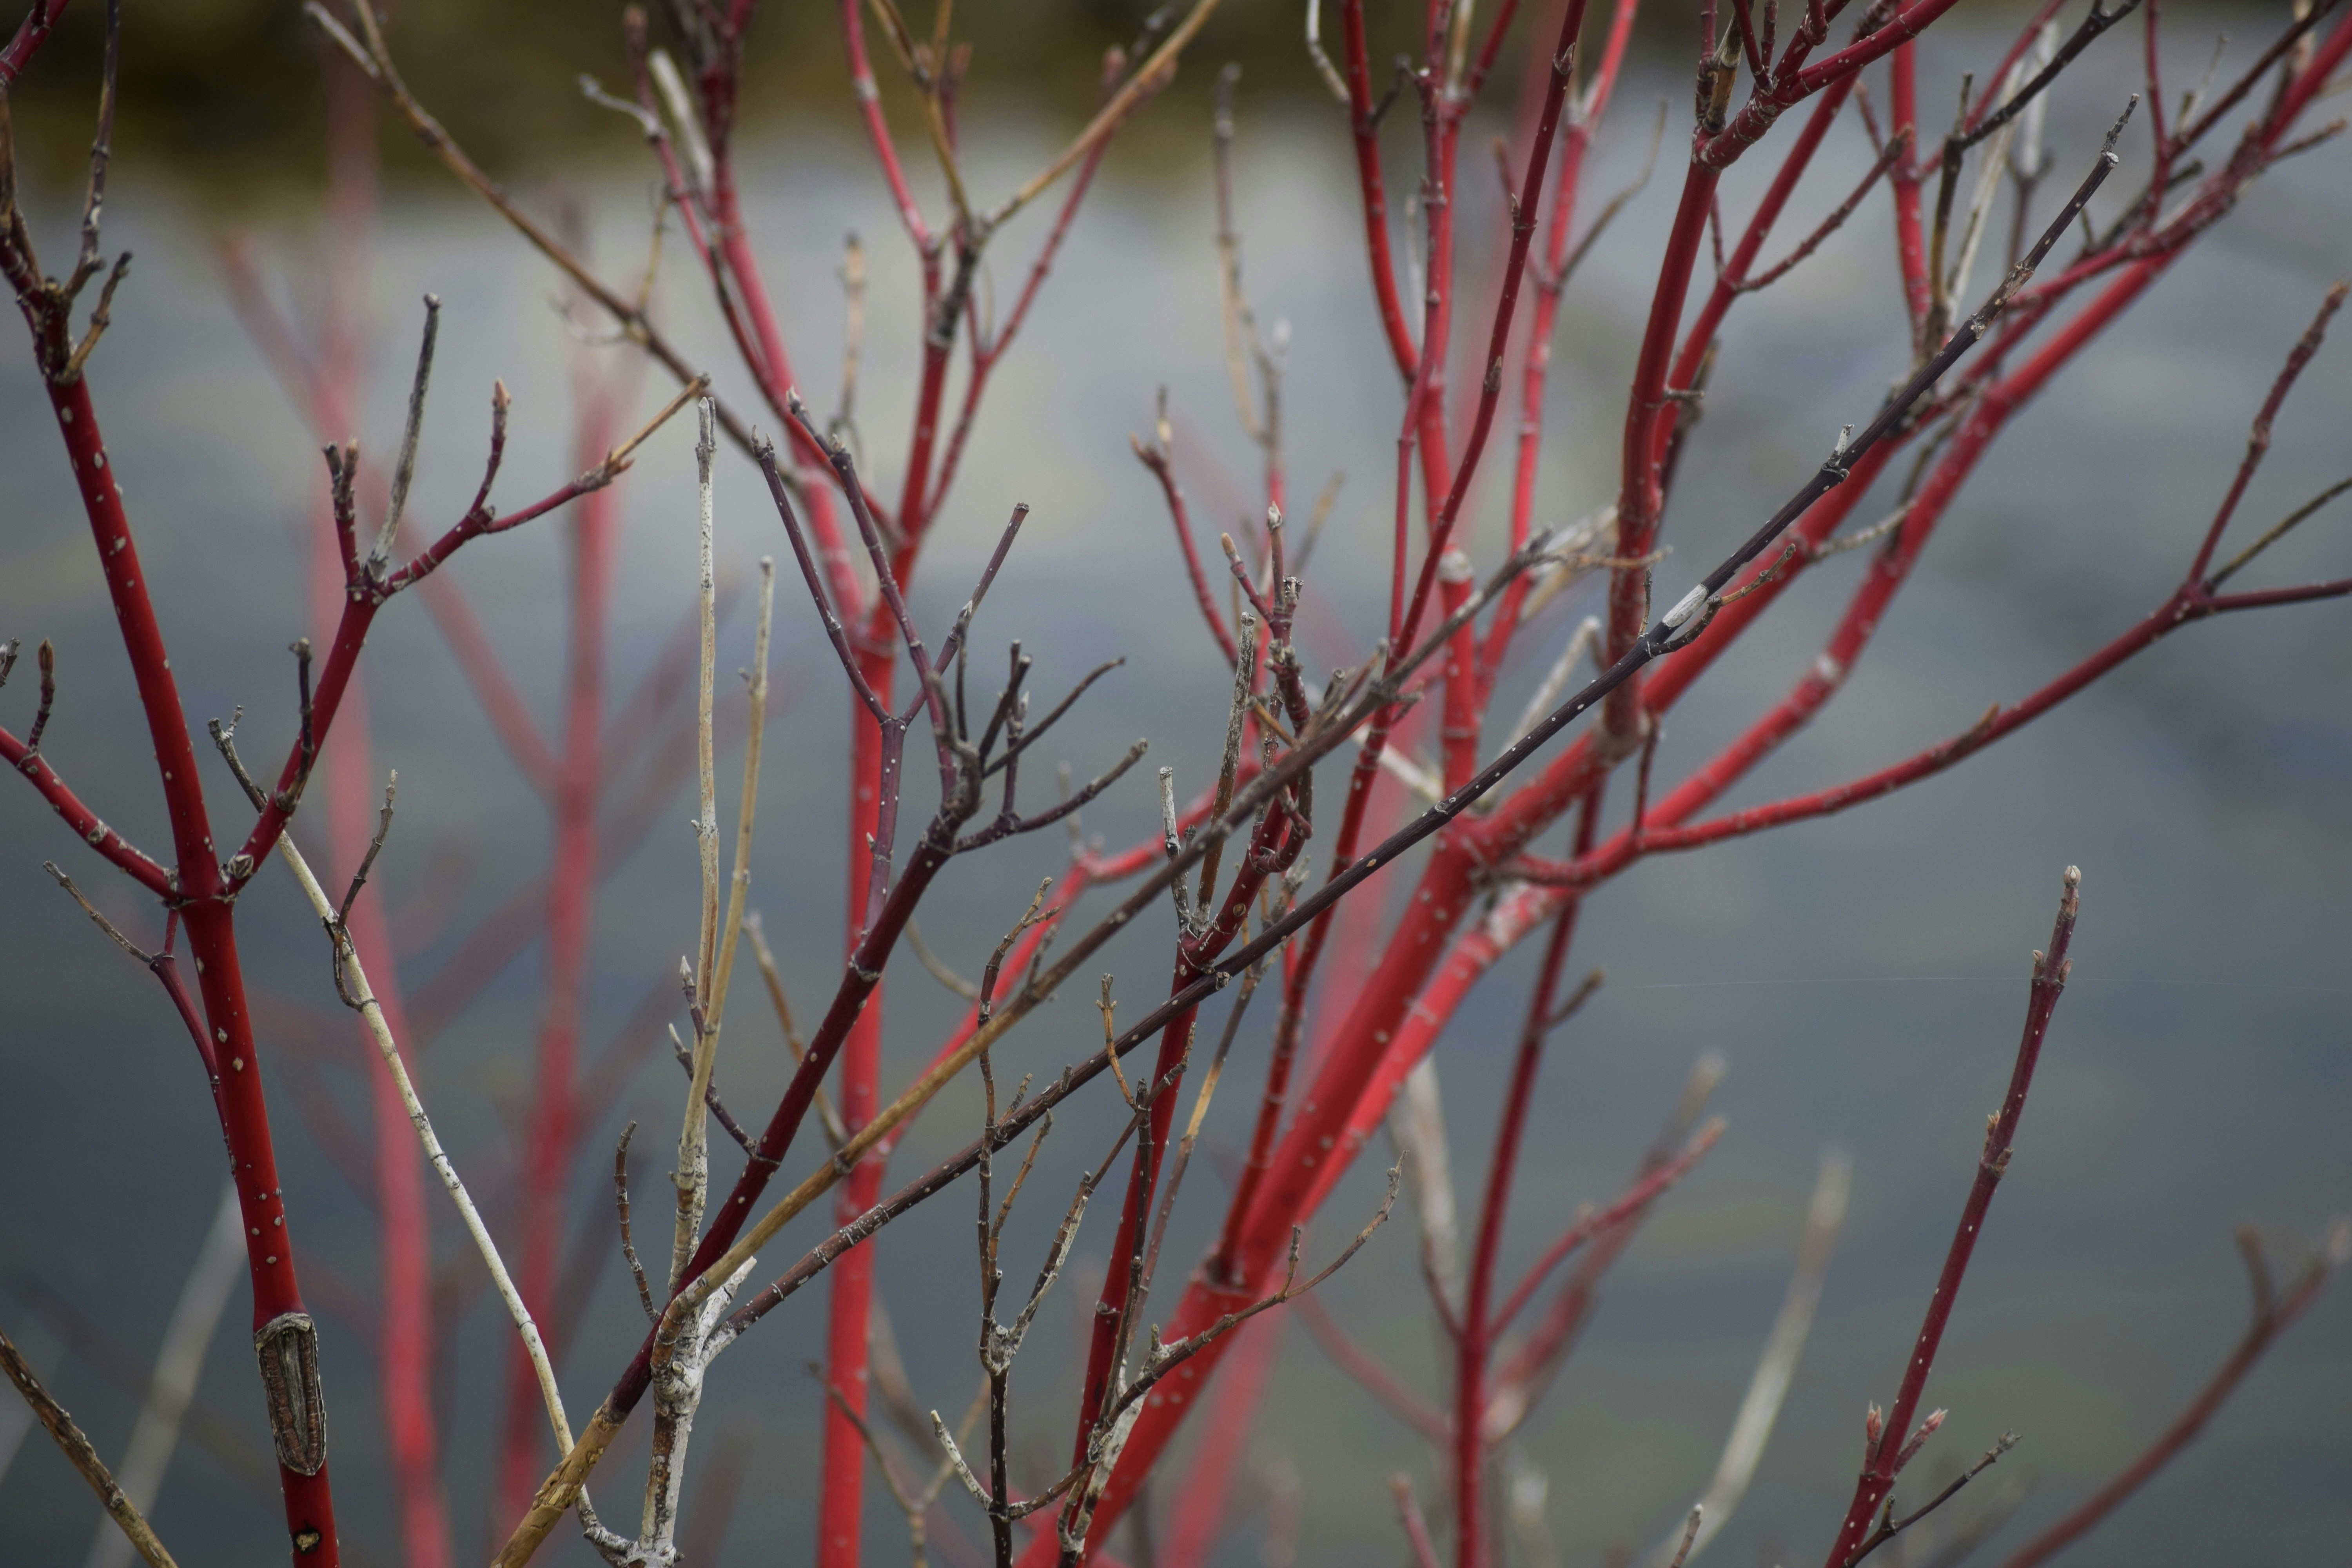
83	1458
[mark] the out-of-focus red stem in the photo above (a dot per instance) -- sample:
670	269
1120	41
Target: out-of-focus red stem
1202	1498
486	672
1416	1528
1373	185
1910	238
2159	177
1490	386
404	1348
1519	1380
841	1486
2270	1320
1634	1200
553	1136
1402	1402
1534	376
1475	1344
878	127
405	1352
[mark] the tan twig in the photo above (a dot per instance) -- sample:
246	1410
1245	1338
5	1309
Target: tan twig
834	1131
968	990
77	1450
1146	80
693	1174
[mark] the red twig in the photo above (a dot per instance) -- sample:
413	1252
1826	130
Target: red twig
2271	1318
1634	1199
30	35
2050	972
1373	1374
118	850
1416	1531
1198	1516
1551	283
1364	120
201	888
1910	236
1479	1324
1155	456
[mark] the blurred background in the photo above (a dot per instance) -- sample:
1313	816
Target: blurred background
1864	976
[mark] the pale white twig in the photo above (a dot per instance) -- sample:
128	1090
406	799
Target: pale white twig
1417	1124
677	1396
1569	558
1586	637
1415	774
210	1282
1323	66
1530	1489
1774	1369
693	1174
739	882
1862	536
2025	154
371	1013
1990	173
675	99
354	982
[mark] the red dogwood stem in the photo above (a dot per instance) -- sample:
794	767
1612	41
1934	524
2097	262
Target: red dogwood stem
842	1491
1475	1343
2050	971
210	920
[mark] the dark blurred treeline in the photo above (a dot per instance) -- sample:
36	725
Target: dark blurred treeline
224	96
226	93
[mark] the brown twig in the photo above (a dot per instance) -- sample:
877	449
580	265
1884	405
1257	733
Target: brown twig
83	1458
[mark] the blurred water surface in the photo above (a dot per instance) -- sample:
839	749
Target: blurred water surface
1865	975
